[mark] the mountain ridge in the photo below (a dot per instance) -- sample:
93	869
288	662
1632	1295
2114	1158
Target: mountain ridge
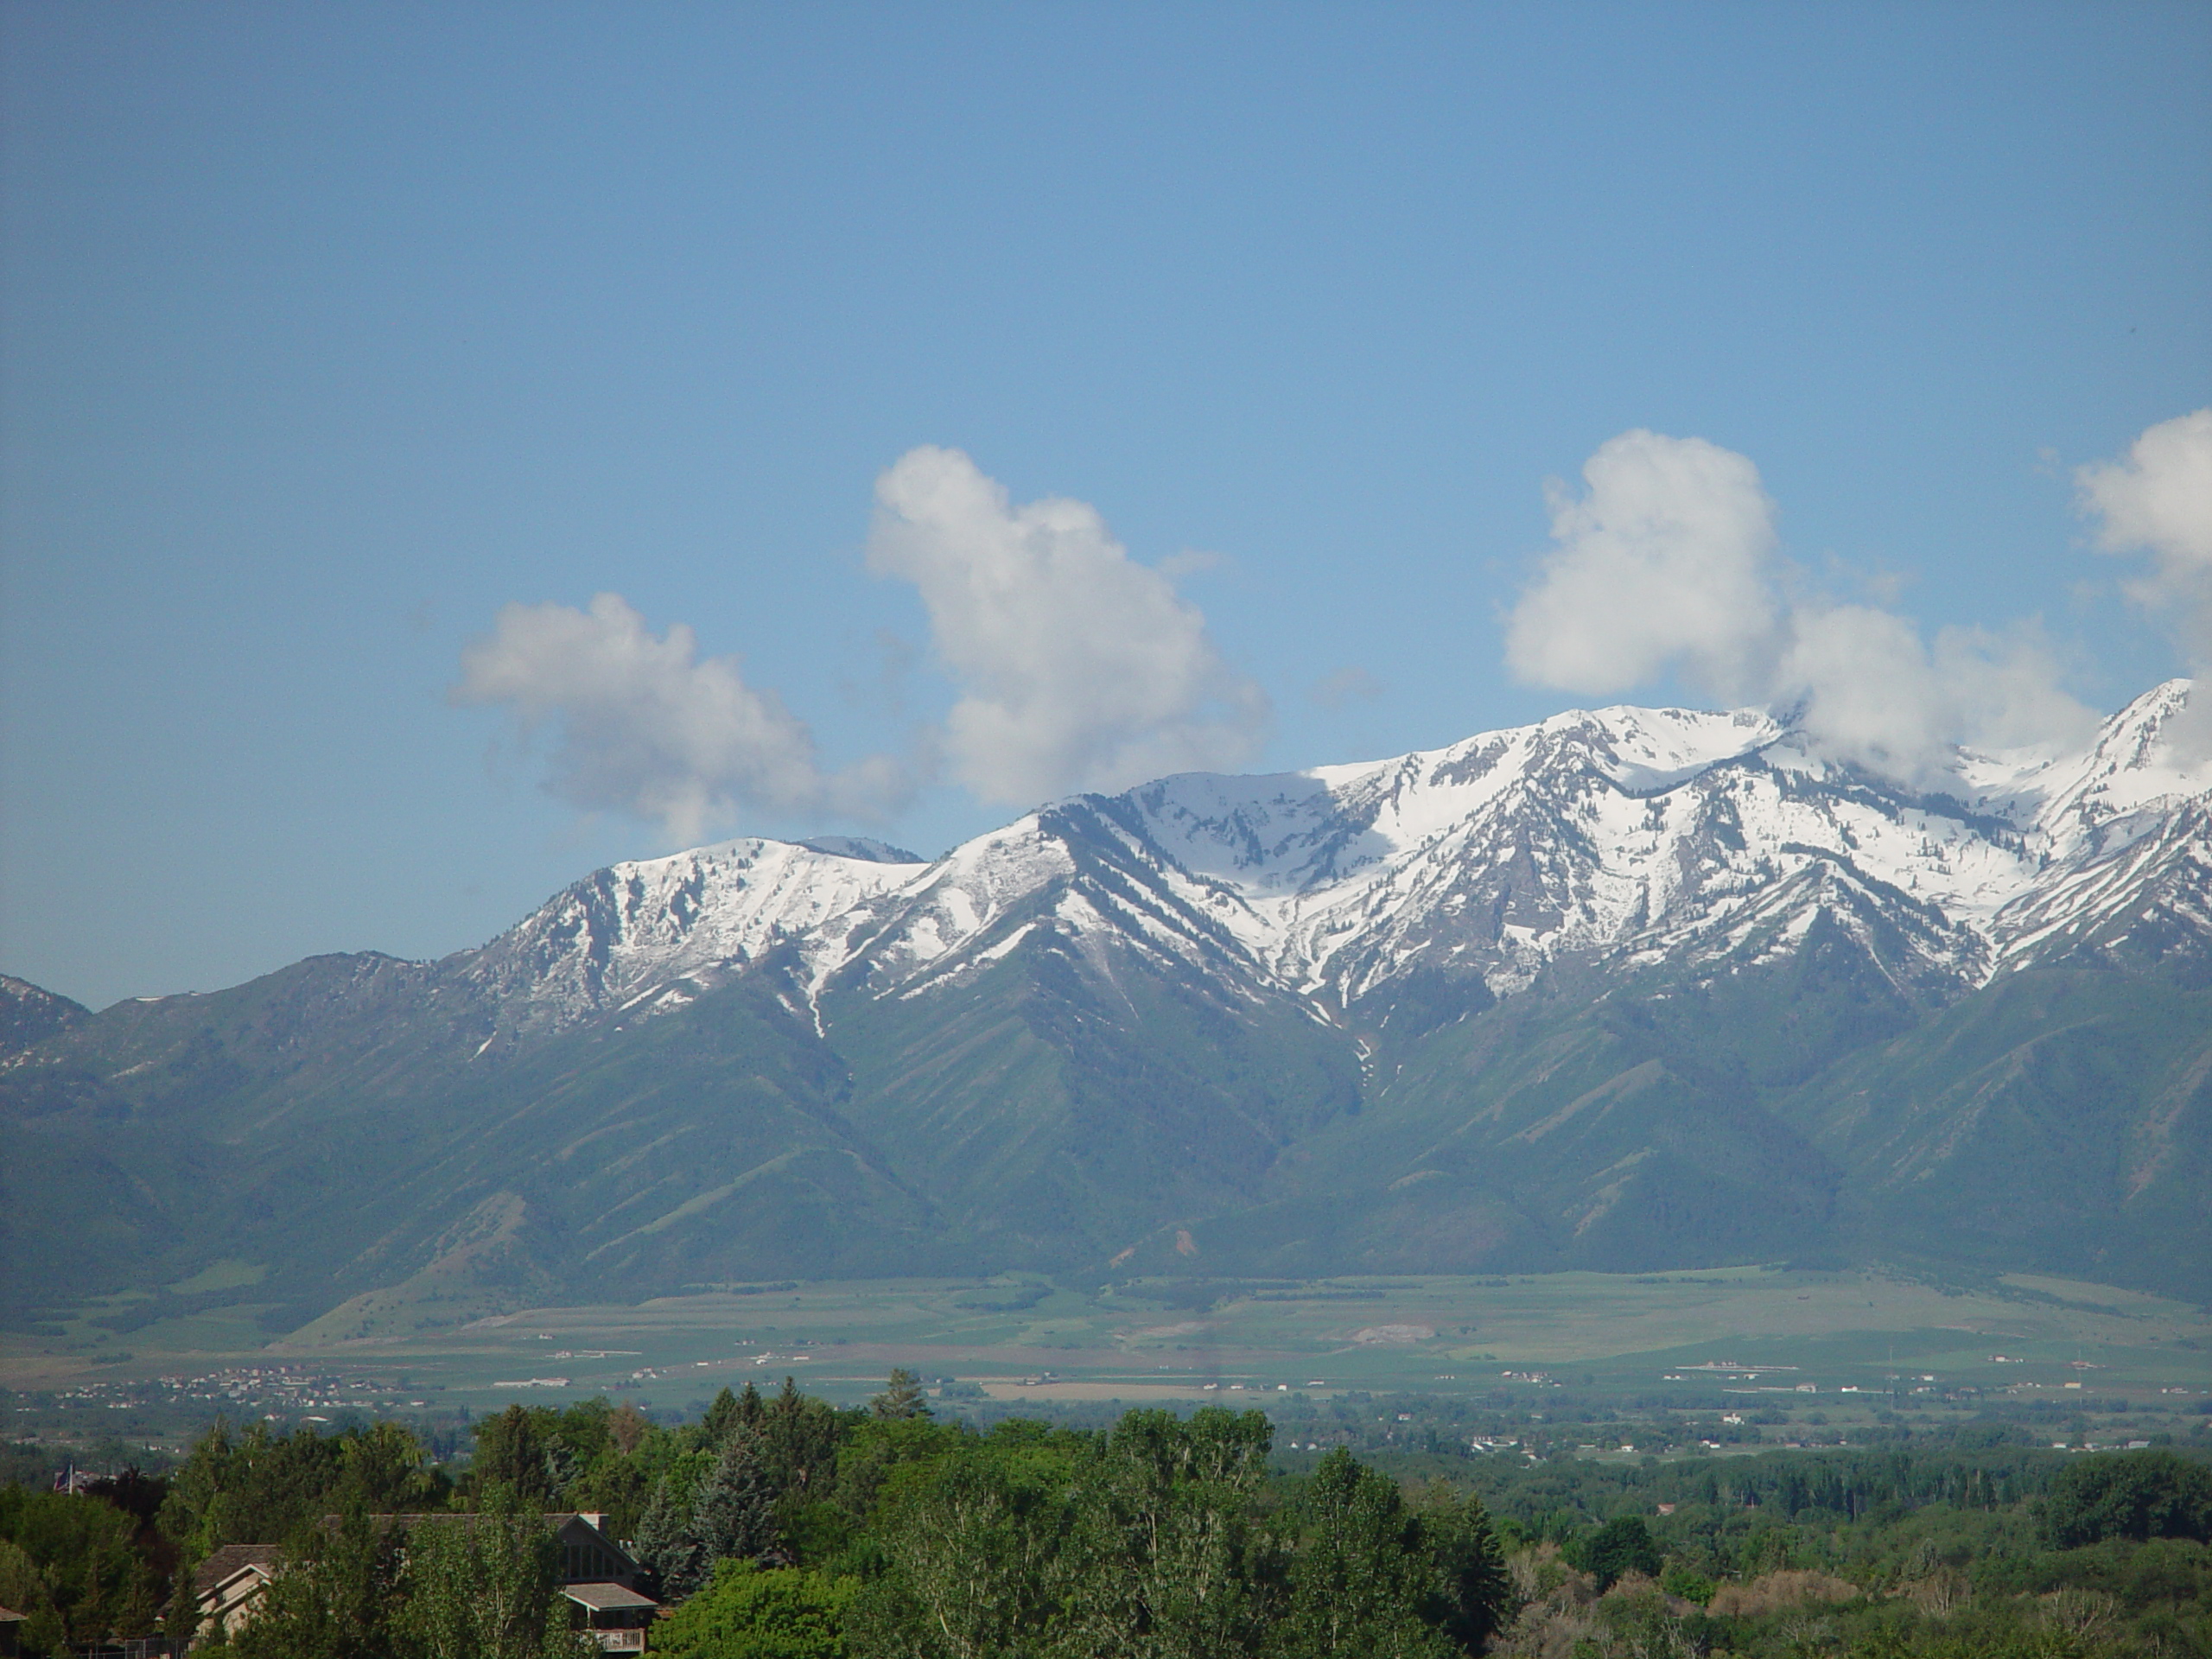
1328	881
1612	987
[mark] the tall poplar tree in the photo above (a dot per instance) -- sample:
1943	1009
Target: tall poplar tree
488	1586
1363	1577
1163	1561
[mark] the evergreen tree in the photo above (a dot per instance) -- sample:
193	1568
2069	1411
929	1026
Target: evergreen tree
904	1398
511	1450
666	1548
1622	1545
385	1470
187	1512
798	1436
728	1415
722	1417
734	1517
1473	1598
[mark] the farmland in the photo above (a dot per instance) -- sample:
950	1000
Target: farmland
1845	1344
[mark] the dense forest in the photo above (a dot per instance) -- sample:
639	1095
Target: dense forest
782	1528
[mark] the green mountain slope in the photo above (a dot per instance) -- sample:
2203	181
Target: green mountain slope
1060	1109
705	1144
2059	1119
1624	989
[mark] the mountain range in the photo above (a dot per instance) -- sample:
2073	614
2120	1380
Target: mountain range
1629	988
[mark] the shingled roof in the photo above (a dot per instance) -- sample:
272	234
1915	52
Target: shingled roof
228	1560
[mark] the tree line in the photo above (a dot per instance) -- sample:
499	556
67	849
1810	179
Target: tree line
781	1527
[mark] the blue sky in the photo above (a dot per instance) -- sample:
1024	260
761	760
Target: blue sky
329	332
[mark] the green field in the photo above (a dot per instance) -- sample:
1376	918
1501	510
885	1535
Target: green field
1844	1343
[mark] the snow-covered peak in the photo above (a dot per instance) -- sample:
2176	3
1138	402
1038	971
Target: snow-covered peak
958	900
1625	834
1292	832
864	848
643	929
2142	760
1656	833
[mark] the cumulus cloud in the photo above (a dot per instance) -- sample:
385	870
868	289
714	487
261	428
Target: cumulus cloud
642	724
1079	668
1668	564
2158	499
1867	688
1661	565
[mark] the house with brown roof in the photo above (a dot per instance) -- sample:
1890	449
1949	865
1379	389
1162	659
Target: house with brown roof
227	1588
598	1578
617	1617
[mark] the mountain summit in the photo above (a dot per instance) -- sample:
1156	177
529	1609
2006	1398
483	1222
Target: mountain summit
1624	987
1614	837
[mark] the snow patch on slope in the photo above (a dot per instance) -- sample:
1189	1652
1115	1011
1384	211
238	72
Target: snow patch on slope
705	914
1623	834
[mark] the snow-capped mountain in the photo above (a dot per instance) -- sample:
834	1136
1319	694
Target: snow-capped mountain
1622	989
655	932
1619	836
2123	835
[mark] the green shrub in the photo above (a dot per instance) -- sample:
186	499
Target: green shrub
752	1612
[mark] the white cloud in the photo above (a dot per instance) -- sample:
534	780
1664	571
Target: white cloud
2158	499
1868	689
1079	668
1667	564
1864	688
1661	566
643	726
2006	687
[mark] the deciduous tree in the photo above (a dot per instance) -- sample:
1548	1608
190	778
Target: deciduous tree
752	1613
331	1598
1362	1577
487	1586
1163	1559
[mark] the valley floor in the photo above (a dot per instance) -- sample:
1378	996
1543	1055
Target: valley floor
1798	1355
